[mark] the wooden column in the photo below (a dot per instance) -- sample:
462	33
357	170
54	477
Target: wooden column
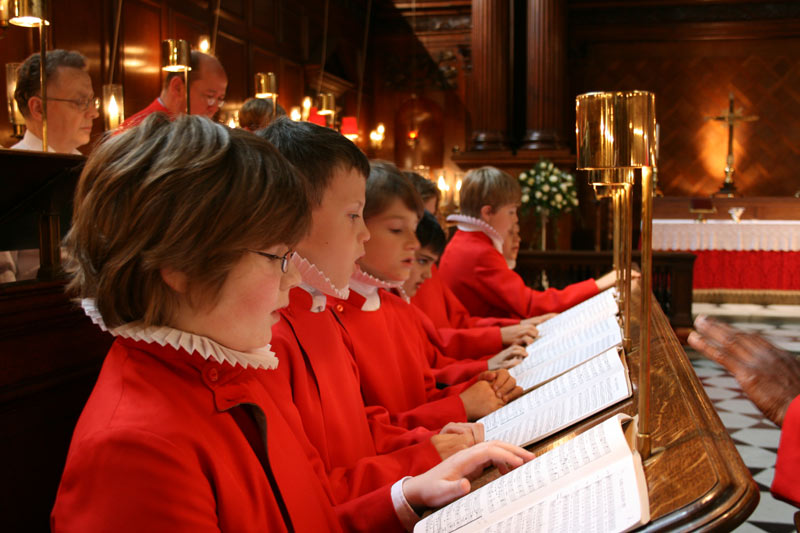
490	52
546	75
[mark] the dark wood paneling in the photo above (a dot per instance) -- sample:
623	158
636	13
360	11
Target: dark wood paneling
50	353
292	84
140	49
232	52
692	67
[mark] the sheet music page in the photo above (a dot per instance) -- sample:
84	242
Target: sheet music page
581	392
531	376
543	351
582	484
599	306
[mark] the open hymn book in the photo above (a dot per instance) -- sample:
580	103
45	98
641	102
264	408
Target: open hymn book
594	482
570	339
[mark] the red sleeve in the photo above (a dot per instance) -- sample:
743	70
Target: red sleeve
482	322
786	484
503	288
388	436
433	414
457	344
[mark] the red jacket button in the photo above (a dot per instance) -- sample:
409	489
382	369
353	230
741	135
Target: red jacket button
339	307
213	374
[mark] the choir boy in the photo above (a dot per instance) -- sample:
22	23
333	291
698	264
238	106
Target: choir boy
458	341
473	265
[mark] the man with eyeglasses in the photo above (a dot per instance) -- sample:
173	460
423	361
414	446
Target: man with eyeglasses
207	85
71	105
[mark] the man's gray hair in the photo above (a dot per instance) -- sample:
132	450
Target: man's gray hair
28	74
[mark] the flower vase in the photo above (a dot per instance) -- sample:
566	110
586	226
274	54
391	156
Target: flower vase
543	217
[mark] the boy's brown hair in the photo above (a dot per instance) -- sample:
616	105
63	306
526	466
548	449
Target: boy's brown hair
488	186
425	187
386	183
190	195
316	151
256	113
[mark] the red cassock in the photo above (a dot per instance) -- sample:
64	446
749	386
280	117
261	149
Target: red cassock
322	379
392	352
786	483
480	278
169	441
460	335
135	119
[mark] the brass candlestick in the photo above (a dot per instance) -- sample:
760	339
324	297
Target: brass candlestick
615	132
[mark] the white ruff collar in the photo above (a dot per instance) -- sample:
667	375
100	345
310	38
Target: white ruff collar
262	358
367	286
468	223
315	278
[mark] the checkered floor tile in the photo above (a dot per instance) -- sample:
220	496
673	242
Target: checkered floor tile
756	438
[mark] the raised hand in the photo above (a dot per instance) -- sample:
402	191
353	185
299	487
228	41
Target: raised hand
536	320
768	375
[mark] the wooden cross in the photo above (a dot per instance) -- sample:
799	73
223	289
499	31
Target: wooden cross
732	118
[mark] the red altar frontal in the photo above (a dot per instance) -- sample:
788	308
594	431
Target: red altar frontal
749	254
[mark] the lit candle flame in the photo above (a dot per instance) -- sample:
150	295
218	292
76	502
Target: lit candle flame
205	46
443	186
295	114
113	113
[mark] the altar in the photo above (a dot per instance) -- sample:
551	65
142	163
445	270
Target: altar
756	258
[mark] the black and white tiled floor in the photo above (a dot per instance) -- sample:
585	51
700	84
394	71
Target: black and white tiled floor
756	438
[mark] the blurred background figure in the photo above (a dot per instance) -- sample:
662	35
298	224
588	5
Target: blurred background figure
256	113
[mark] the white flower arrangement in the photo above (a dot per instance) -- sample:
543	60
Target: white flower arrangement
548	189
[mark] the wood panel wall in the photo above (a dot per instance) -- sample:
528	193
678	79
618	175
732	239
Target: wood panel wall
692	57
254	36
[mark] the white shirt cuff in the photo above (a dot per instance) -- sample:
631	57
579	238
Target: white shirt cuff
403	509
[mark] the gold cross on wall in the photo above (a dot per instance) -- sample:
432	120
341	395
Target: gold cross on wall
731	117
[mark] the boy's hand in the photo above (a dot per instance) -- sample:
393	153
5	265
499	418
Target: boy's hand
450	479
504	386
480	400
536	320
456	436
608	280
522	334
508	358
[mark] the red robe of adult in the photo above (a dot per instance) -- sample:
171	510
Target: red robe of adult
391	351
326	395
461	335
169	441
786	483
134	120
480	278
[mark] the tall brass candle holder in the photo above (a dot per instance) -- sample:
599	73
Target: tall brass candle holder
615	134
176	57
617	184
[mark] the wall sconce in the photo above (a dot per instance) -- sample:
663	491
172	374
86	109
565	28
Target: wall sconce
4	13
29	14
306	108
350	128
413	137
176	57
296	113
204	44
266	85
14	114
267	88
316	118
377	136
113	106
327	104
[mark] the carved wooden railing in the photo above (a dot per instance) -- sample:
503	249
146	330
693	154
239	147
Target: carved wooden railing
672	275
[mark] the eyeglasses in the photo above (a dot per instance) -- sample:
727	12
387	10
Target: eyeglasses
83	104
284	259
213	100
